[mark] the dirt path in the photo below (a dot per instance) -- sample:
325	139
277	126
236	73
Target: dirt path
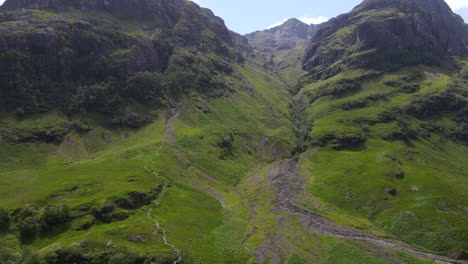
285	179
159	180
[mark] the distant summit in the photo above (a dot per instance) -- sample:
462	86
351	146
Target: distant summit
286	36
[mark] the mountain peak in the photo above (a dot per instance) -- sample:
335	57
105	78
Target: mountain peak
390	32
287	36
293	22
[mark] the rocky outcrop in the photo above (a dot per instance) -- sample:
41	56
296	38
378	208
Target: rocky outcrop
378	33
287	36
47	54
160	9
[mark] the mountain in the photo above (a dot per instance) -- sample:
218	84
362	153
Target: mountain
386	91
286	36
282	47
385	33
51	48
145	131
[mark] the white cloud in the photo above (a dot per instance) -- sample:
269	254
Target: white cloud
305	19
313	20
457	4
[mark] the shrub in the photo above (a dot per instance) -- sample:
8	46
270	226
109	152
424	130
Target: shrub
353	104
462	115
84	223
28	256
145	87
29	227
123	259
65	255
302	125
461	132
8	249
227	146
390	115
4	220
51	216
102	97
338	89
407	130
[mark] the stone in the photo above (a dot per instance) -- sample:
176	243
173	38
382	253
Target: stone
135	239
391	191
108	244
82	244
348	196
105	209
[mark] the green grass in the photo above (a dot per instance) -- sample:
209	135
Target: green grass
349	186
355	180
91	169
409	259
344	253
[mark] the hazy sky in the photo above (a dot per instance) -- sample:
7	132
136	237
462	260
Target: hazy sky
245	16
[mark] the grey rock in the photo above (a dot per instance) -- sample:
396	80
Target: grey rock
287	36
135	239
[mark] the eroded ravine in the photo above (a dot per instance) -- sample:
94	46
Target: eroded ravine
160	182
287	182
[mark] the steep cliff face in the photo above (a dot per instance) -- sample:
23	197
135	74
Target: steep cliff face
282	48
380	33
287	36
49	49
161	9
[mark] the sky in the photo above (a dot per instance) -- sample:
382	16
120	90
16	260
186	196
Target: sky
245	16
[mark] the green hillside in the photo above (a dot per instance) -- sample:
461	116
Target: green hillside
162	137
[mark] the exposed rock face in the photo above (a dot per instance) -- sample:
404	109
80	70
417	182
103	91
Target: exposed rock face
388	32
282	47
50	48
159	8
161	13
287	36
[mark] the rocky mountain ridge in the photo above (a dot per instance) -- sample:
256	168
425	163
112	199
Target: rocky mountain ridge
49	45
388	32
286	36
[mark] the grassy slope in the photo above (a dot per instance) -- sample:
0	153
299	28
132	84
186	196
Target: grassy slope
109	163
428	209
